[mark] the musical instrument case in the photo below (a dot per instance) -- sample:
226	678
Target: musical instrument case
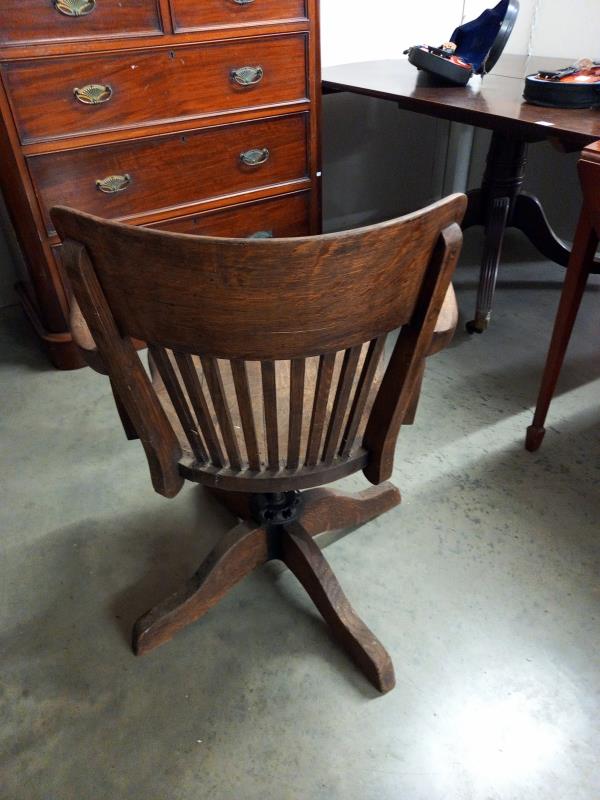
474	48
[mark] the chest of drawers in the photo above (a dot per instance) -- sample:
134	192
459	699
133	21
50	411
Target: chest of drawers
197	116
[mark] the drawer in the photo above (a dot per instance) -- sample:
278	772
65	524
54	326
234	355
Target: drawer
128	179
32	21
190	15
157	85
279	216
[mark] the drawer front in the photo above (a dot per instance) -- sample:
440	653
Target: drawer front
132	178
279	216
33	21
54	98
189	15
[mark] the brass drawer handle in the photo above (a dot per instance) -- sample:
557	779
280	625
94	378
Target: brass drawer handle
255	157
93	94
75	8
113	183
243	2
247	76
261	235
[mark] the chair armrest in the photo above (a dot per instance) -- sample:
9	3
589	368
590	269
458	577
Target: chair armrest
446	323
84	340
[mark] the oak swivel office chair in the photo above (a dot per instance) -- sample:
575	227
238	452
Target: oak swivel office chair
268	379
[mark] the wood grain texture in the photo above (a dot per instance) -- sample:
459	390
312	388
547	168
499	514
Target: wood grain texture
247	546
238	553
340	403
272	301
403	374
128	377
191	15
581	264
235	306
296	411
280	217
179	402
496	103
319	412
24	23
303	556
329	510
153	86
192	167
244	399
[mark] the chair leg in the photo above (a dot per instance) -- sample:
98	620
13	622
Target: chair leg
304	558
330	510
578	270
239	552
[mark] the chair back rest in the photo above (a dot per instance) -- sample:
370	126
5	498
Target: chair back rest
307	315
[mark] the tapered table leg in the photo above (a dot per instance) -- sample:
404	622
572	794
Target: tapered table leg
580	265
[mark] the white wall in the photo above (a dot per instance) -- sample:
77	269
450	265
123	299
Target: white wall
378	163
364	31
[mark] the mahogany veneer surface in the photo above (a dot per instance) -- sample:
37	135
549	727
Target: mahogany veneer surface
143	111
494	102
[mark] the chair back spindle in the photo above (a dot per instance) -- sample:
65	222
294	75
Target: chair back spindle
267	355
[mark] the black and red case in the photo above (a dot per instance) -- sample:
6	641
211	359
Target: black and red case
477	46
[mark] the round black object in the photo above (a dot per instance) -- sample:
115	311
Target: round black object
438	66
553	94
508	23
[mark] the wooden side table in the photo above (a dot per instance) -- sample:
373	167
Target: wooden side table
494	102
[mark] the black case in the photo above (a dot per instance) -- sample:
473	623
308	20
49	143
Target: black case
554	94
479	43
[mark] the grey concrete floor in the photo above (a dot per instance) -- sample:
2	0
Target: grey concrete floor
483	585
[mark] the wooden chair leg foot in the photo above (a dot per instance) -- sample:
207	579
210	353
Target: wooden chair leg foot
305	559
534	437
239	552
329	510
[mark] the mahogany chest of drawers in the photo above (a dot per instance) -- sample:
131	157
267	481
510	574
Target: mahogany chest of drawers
197	116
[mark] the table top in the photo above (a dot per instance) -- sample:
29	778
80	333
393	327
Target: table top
494	102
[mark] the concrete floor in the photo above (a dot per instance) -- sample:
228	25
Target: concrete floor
483	585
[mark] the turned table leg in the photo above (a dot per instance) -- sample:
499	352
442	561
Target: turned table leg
493	206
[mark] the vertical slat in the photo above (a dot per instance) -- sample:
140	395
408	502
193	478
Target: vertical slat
198	400
212	373
340	404
297	371
167	373
239	371
269	388
317	422
361	394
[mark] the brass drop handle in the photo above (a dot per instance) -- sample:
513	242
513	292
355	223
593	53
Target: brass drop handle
255	157
261	235
243	2
93	94
247	76
75	8
113	183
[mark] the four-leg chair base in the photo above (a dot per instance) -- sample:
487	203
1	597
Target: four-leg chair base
270	529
